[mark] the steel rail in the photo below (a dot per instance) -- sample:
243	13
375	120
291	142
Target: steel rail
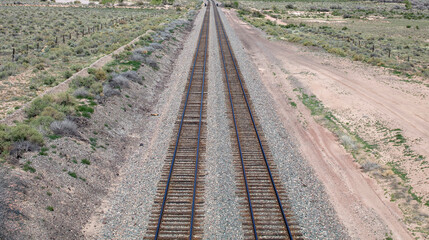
199	127
179	133
236	129
254	126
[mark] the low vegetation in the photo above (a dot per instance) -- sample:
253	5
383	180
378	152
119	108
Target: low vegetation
390	34
40	47
55	115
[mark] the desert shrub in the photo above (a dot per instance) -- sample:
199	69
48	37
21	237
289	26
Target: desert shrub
337	51
257	14
137	57
91	71
370	166
100	74
119	81
348	142
53	113
133	76
76	68
289	6
358	57
81	93
62	103
48	80
96	88
38	105
79	81
22	132
108	91
20	147
42	123
64	99
64	127
67	74
156	45
152	63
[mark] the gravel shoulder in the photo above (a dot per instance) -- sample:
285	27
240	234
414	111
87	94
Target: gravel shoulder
308	198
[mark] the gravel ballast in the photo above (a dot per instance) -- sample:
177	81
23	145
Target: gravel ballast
307	196
222	216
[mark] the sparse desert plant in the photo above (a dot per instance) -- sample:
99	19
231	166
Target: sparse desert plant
20	147
119	81
108	91
96	88
85	82
64	127
133	76
370	166
85	161
81	93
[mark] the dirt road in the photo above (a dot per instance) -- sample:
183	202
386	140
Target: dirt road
358	95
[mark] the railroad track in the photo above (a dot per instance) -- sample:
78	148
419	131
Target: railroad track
263	199
178	209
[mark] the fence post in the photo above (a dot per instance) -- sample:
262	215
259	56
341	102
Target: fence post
373	48
13	54
69	35
56	40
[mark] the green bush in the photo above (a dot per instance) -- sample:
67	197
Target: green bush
358	57
91	71
53	113
42	122
49	80
20	132
64	99
23	132
100	74
337	51
96	88
86	82
38	105
67	74
57	106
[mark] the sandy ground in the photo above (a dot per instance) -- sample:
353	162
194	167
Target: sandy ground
359	95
